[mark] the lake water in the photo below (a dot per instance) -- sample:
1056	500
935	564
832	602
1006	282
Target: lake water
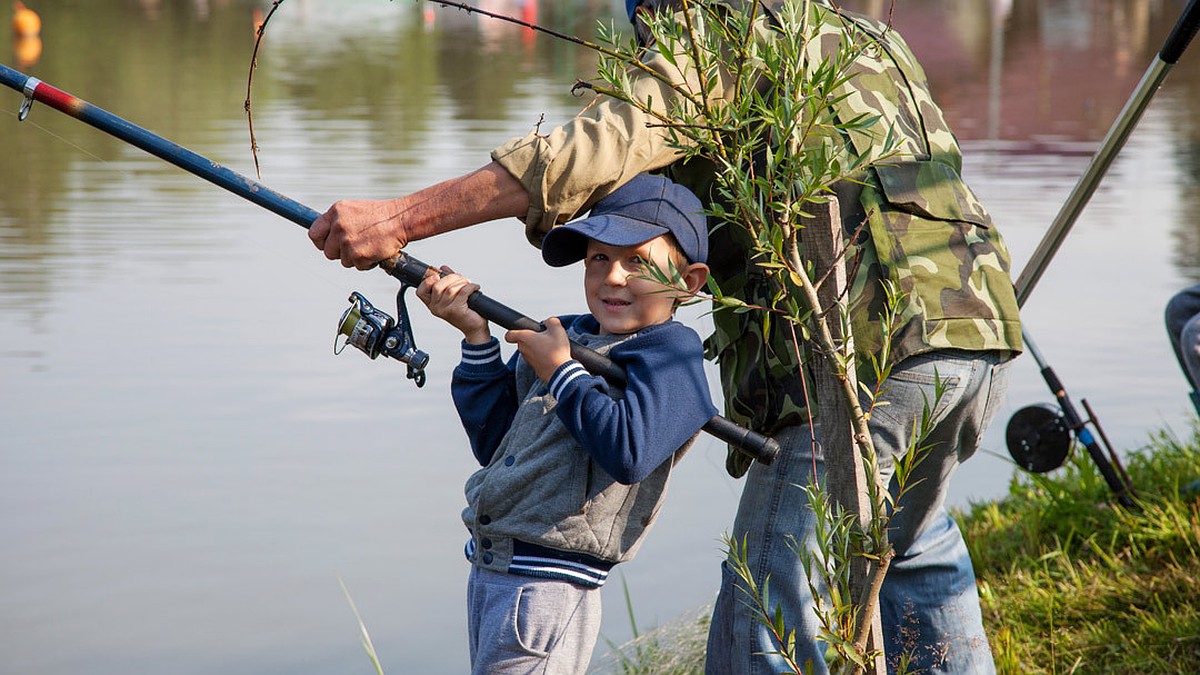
186	469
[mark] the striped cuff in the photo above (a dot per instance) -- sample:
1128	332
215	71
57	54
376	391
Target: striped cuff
565	374
481	355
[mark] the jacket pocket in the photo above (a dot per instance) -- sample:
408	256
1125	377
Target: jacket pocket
930	190
933	239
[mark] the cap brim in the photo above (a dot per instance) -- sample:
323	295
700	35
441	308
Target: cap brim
567	244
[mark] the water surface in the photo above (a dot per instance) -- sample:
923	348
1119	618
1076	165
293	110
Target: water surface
185	467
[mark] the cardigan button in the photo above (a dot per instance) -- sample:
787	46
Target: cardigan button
508	461
485	542
487	557
485	519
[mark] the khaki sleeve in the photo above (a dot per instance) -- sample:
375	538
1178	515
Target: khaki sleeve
569	169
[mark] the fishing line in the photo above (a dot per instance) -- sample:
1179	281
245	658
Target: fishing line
66	141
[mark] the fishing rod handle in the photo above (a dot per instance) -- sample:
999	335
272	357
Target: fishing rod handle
1182	34
411	271
763	449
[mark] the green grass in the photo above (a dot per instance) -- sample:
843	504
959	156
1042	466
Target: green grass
1069	582
1072	584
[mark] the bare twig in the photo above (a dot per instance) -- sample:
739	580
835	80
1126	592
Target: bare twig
636	63
250	83
512	19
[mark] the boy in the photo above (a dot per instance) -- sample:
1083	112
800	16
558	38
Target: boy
575	469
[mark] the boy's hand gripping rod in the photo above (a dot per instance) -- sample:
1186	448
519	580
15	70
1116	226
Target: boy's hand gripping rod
404	267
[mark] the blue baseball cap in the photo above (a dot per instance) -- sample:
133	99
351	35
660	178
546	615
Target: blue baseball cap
630	6
646	207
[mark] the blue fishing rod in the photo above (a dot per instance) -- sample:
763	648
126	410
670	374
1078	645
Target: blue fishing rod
362	326
1038	436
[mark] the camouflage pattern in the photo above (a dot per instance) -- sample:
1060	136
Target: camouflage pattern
925	232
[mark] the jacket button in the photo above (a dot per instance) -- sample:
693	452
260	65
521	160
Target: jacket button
485	520
508	461
485	542
487	557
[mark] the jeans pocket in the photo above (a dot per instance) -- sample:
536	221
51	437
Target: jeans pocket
997	388
913	385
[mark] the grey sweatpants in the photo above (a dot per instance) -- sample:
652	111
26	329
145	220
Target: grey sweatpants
526	625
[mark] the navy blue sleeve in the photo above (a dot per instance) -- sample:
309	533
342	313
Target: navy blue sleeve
666	402
484	390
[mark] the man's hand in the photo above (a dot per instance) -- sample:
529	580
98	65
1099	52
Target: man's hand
544	350
360	233
446	297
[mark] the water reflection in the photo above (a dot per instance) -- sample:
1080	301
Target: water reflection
1033	72
185	468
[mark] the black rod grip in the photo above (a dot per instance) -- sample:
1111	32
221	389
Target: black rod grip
1181	36
762	448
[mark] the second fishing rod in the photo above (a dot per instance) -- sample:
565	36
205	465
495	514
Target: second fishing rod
365	327
1039	438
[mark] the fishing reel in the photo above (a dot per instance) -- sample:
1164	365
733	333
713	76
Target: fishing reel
373	332
1039	438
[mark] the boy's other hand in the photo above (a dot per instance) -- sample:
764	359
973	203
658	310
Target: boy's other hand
544	350
446	294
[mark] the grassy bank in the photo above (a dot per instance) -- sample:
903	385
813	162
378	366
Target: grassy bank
1069	583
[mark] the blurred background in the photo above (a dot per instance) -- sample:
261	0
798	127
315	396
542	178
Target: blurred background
186	469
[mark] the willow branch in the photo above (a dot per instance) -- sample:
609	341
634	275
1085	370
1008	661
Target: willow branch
823	337
869	600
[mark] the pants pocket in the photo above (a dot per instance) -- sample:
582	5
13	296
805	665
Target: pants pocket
538	618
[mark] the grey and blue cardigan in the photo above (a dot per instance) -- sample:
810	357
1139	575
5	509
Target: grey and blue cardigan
574	471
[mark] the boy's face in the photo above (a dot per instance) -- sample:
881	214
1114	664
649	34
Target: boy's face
618	293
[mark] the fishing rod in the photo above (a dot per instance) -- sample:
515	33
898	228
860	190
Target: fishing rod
363	326
1185	29
1038	436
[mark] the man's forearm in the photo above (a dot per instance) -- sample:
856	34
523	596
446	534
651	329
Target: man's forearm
489	193
361	233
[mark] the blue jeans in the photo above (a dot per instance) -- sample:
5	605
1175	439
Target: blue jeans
928	604
1183	328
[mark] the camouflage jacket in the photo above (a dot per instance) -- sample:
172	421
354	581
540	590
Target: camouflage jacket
926	232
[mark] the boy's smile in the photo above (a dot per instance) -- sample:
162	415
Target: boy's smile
619	294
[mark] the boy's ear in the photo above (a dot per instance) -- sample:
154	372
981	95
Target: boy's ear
694	276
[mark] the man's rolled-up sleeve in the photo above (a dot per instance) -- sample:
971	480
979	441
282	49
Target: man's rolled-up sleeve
609	142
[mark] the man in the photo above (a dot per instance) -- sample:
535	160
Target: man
925	232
